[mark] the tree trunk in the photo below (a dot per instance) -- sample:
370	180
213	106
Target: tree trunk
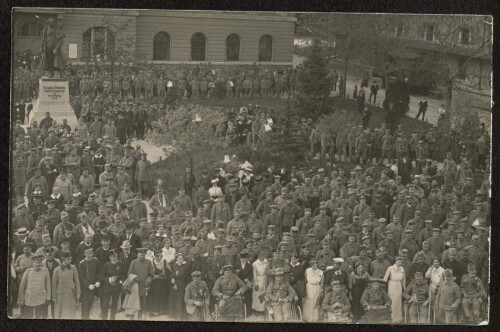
345	77
449	92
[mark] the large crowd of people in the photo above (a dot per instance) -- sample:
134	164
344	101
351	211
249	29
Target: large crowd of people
380	227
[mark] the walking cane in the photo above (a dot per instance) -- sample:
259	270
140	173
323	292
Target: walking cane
434	318
430	305
418	313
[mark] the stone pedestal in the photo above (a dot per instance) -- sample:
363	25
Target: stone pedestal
53	97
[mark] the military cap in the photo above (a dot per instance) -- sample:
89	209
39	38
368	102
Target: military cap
294	229
89	249
226	268
142	250
217	247
196	274
28	244
338	260
377	281
435	229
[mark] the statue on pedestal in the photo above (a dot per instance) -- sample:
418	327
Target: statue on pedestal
52	40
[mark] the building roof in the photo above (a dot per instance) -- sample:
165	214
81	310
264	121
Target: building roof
195	14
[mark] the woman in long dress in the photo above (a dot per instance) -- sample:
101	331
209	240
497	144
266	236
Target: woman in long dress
314	284
396	283
160	286
181	276
358	280
65	289
260	268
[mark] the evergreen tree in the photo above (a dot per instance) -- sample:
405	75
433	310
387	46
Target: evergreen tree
314	83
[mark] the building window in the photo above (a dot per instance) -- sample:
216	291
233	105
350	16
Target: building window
161	46
399	30
198	47
429	33
464	36
30	29
98	44
462	69
266	48
233	47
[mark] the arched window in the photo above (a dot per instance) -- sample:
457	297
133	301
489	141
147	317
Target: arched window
161	46
98	44
266	48
30	29
198	46
233	47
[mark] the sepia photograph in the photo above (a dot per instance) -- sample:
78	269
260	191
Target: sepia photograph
251	167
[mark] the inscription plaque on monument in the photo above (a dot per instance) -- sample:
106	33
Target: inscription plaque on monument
54	98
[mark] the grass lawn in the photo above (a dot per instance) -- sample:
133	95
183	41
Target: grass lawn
172	168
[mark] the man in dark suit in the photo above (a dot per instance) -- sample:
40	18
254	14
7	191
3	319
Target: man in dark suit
88	242
104	232
126	256
50	264
245	273
404	168
134	239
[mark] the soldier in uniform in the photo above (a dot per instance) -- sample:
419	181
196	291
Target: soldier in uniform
144	269
35	290
197	298
228	289
112	277
336	304
376	303
448	297
279	295
417	296
89	271
473	294
474	250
